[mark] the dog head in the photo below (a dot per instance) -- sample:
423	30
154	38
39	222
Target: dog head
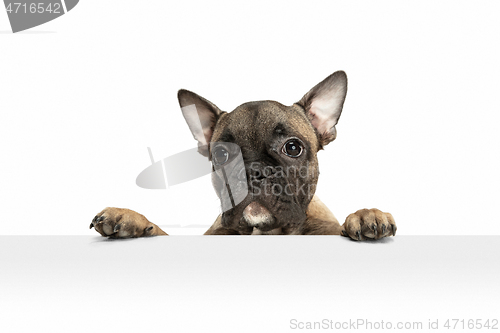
275	180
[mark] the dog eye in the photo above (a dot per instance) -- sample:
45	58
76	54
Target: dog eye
220	156
292	148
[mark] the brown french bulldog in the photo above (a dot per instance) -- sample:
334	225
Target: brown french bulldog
279	146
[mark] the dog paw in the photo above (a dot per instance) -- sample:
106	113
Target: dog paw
124	223
369	224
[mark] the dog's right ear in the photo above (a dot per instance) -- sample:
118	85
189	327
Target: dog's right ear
323	105
201	116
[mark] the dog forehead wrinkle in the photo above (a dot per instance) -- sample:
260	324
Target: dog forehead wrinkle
226	136
240	125
280	129
254	123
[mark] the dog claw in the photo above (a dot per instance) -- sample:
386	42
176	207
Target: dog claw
358	234
344	233
117	227
394	228
91	225
374	228
384	229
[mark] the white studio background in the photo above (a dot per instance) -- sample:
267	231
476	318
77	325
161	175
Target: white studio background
83	96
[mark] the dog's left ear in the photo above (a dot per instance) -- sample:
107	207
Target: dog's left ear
324	103
201	116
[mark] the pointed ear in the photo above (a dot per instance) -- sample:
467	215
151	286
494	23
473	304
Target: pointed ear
201	116
323	105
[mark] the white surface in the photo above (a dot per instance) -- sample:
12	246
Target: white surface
418	136
242	284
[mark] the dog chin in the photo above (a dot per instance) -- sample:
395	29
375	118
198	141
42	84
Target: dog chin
256	215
